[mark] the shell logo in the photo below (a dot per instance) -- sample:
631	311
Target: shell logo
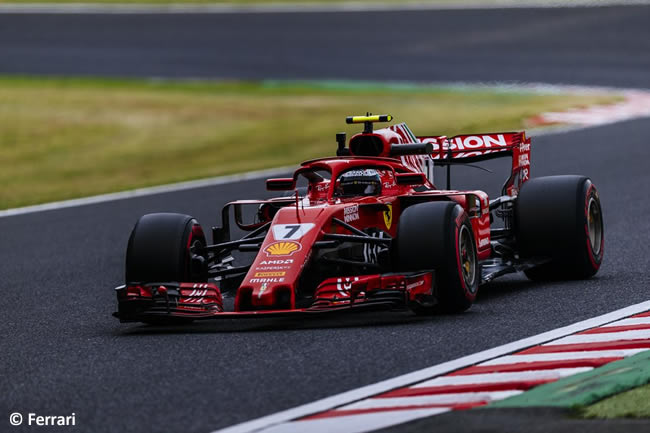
282	248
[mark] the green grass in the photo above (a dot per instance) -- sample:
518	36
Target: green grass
67	138
630	404
237	2
246	2
224	2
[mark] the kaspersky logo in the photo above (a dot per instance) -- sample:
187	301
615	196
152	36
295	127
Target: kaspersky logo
282	248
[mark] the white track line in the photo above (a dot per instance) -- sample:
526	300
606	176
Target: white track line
562	356
354	423
469	379
601	338
142	192
426	374
307	7
452	398
631	321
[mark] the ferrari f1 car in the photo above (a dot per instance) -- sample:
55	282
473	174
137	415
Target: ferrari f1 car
369	230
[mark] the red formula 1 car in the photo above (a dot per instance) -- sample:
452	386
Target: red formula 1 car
368	230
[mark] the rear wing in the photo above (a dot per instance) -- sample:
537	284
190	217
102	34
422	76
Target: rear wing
469	148
481	147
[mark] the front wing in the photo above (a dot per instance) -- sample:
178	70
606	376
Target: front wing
153	302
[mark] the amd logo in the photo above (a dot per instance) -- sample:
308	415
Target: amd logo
276	262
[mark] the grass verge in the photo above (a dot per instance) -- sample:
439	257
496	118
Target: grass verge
244	2
67	138
630	404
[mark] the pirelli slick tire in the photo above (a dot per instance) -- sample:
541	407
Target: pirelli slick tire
439	236
166	247
560	218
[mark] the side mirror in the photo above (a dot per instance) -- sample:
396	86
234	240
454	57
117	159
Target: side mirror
411	178
281	184
251	216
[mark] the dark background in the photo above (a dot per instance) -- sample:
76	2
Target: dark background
62	352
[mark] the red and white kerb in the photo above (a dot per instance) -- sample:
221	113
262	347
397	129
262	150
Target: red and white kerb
488	381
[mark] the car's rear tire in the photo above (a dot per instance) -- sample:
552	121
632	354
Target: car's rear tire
438	236
166	247
560	218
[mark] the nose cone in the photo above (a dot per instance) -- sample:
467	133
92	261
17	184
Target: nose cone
274	274
272	280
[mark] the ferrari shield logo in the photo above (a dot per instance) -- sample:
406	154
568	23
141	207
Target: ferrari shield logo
388	216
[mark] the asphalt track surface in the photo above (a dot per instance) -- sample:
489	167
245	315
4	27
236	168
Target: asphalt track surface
597	46
63	352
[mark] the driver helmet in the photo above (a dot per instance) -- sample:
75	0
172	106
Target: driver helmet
359	183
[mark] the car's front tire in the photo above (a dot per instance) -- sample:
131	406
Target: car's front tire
438	236
166	247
